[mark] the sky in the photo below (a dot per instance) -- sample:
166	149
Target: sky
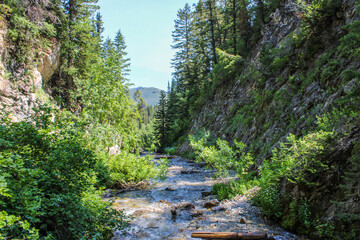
147	26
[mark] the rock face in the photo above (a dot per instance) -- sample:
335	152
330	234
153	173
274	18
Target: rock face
286	109
287	102
22	95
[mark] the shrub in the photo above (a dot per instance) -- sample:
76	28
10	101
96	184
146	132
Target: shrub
300	160
127	167
269	200
222	157
48	181
170	150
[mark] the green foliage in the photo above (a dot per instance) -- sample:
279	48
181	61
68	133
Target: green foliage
349	45
107	106
12	226
48	180
163	166
27	36
300	160
269	200
348	213
326	230
170	150
126	167
222	191
232	189
222	157
299	216
317	10
161	125
227	68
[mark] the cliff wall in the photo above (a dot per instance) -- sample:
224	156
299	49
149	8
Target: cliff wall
297	74
19	91
262	106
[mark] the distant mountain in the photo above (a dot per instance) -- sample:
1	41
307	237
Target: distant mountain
150	95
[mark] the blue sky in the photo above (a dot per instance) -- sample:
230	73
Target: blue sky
147	26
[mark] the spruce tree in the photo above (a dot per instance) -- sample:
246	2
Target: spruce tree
161	122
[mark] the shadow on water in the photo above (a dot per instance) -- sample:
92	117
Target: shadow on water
173	209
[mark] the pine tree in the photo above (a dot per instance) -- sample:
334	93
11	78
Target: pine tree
161	122
120	48
79	49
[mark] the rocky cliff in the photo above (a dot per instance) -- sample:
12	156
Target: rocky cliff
284	102
21	92
296	74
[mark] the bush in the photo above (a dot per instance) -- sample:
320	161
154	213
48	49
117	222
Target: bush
127	167
170	150
222	157
268	199
48	181
231	189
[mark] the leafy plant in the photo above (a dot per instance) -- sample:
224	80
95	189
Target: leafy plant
48	181
269	200
127	167
222	157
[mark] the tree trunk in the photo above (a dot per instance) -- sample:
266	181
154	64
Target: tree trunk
234	25
261	11
229	235
213	43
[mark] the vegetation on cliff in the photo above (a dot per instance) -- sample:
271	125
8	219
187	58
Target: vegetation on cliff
282	77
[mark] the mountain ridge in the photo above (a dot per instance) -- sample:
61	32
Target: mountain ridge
151	95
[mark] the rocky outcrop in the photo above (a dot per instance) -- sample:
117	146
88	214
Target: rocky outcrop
298	107
262	109
20	96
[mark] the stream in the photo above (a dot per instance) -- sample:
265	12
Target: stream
181	205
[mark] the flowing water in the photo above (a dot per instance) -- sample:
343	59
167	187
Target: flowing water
179	206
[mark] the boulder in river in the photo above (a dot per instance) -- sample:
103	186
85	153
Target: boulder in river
212	203
186	206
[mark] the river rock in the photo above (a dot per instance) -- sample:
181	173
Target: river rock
107	193
211	204
196	213
186	206
169	188
205	194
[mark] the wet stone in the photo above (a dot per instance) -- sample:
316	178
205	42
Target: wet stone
196	213
169	188
205	194
211	203
107	193
186	206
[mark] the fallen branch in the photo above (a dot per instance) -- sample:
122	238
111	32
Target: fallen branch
229	235
163	156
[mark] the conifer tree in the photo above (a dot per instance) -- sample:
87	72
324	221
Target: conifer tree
161	122
120	47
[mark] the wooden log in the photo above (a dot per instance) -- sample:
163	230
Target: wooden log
163	156
229	235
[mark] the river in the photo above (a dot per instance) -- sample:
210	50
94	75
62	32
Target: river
181	205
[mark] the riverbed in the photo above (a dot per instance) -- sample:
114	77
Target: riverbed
181	205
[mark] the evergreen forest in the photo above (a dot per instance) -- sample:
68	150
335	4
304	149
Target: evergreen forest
264	93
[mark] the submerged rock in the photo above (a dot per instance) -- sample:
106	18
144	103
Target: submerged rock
211	203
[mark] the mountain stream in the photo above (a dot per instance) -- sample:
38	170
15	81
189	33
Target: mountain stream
182	204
